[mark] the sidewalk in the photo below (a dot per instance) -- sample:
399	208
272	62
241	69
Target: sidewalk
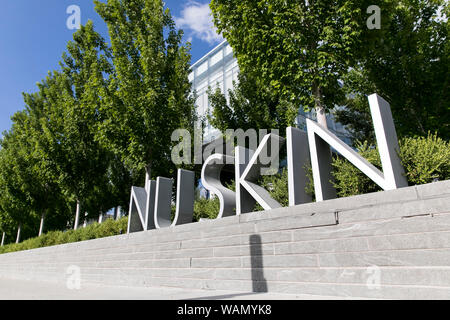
33	290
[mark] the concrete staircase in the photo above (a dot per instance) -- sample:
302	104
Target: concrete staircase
391	245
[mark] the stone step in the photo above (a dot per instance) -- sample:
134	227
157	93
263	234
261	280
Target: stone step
279	244
340	247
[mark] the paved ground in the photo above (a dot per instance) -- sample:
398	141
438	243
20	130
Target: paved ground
32	290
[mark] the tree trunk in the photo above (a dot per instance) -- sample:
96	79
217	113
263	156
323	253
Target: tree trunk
77	216
117	213
18	233
3	239
100	217
320	109
323	148
41	228
322	117
148	177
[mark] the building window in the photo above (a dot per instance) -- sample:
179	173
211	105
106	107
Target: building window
217	58
228	50
202	68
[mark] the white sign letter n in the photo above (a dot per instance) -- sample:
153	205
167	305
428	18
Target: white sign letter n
392	176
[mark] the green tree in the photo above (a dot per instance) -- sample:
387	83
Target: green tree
36	179
7	226
355	113
149	92
71	104
407	62
15	201
301	48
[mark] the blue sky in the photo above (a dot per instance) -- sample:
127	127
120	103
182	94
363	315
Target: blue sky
33	36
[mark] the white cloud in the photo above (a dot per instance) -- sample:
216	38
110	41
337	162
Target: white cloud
196	20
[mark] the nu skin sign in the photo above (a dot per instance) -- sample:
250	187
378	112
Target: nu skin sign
150	207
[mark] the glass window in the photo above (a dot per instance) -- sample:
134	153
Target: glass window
330	123
228	50
301	123
205	102
217	84
199	104
202	68
217	76
202	86
229	81
202	102
229	66
216	79
217	58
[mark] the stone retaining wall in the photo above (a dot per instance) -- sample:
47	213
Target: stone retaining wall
393	244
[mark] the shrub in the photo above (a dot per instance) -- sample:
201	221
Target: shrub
277	186
349	180
209	208
106	229
425	159
206	209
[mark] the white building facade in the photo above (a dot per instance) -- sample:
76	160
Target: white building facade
218	68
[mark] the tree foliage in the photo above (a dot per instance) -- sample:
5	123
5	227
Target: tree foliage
70	103
92	126
407	62
149	95
300	48
206	208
